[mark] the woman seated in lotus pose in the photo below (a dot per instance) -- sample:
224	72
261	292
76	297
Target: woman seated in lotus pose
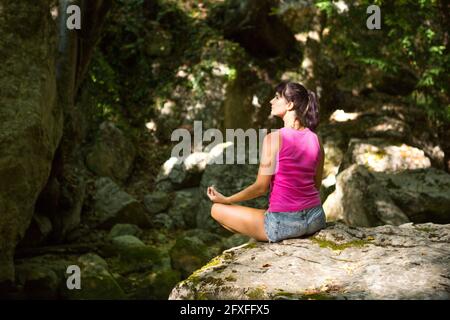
291	168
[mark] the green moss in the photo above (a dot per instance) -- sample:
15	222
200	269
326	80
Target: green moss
424	229
283	294
230	278
195	277
335	246
201	296
256	294
303	296
216	263
251	245
317	296
214	281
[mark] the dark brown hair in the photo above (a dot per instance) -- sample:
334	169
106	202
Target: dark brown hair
306	104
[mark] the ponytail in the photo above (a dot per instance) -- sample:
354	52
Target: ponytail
310	116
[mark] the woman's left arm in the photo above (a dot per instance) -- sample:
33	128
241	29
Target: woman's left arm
265	172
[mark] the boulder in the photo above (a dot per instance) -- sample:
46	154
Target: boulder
370	199
405	262
97	283
383	156
38	231
190	252
235	240
113	205
112	154
155	285
134	255
38	281
179	173
163	221
359	201
39	277
123	229
184	208
31	118
157	202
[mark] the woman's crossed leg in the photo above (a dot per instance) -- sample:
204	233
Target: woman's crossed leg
240	219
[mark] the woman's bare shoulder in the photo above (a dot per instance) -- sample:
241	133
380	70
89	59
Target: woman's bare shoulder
273	139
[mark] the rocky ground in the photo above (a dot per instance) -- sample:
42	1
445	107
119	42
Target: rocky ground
340	262
139	245
137	223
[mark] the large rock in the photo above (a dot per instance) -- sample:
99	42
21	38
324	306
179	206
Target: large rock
369	199
177	173
184	208
123	229
386	262
157	201
39	277
382	156
383	135
192	249
97	283
113	205
39	229
31	119
112	155
38	281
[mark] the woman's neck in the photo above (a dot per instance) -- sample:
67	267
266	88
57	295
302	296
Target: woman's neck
292	122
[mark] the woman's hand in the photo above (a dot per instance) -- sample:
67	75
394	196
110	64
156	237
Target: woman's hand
216	197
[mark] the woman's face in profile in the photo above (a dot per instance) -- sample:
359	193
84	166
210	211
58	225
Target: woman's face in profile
278	104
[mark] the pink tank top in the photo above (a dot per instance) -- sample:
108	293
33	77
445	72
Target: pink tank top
292	186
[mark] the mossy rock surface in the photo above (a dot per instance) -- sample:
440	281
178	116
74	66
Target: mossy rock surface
339	262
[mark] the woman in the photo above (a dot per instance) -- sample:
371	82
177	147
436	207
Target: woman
291	167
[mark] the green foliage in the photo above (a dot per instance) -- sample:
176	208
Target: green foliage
411	38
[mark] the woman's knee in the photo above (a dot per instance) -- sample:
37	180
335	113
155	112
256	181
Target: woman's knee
215	210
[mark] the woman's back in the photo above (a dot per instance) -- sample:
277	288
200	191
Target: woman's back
293	185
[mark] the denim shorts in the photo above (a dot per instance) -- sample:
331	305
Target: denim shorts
293	224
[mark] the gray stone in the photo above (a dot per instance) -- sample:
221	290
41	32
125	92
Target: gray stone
360	201
97	282
30	116
379	155
386	262
369	199
235	240
38	231
135	255
156	285
184	208
422	194
90	259
177	174
125	242
163	221
112	206
189	253
112	155
205	236
123	229
37	281
157	201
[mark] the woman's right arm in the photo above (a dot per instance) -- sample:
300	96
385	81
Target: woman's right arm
319	170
